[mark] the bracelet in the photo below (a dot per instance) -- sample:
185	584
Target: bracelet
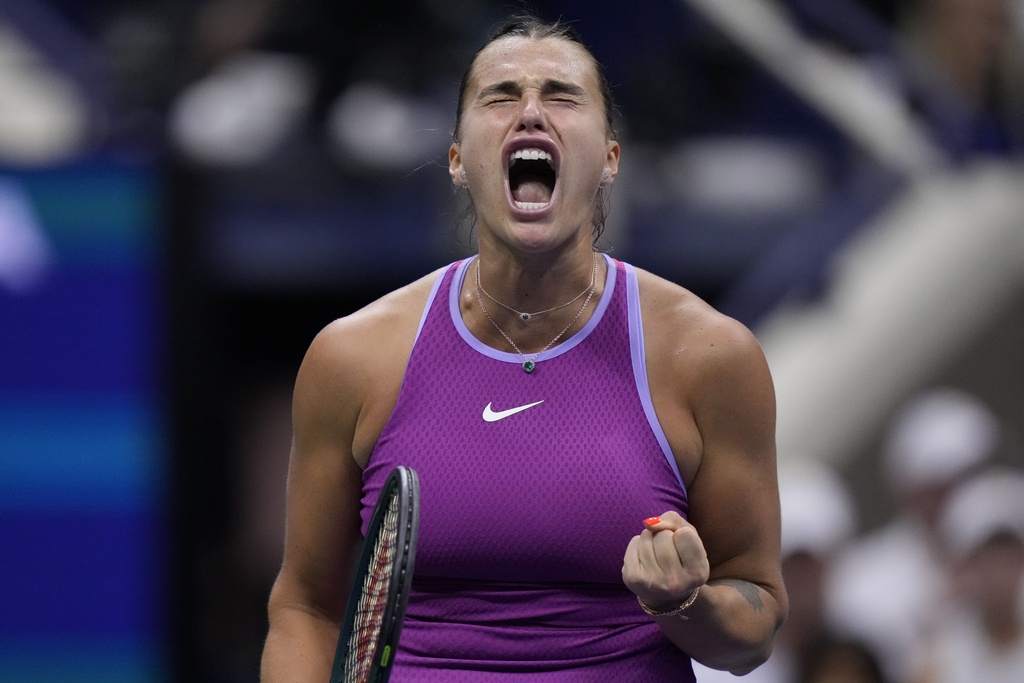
674	612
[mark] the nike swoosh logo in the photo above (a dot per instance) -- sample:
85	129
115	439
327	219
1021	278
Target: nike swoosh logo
495	415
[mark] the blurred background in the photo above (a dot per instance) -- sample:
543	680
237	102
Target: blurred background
189	191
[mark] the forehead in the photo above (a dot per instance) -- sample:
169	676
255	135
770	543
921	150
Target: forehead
520	59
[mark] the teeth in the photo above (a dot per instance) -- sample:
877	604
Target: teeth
531	155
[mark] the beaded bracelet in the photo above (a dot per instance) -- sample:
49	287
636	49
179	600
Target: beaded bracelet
674	612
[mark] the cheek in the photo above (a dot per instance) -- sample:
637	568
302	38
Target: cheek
478	150
583	171
471	159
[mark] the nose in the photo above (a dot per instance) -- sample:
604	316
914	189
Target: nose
531	113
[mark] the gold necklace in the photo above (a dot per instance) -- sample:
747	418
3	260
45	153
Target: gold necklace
530	363
526	317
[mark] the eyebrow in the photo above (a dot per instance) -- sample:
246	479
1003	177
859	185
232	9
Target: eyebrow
550	87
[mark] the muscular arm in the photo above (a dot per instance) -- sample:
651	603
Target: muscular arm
322	532
719	412
344	393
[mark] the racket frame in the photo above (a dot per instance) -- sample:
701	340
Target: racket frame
404	483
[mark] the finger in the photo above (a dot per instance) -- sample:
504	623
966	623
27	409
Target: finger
631	554
657	553
669	520
675	545
666	554
631	558
691	552
647	554
652	522
674	519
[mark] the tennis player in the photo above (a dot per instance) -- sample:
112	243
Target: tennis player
595	445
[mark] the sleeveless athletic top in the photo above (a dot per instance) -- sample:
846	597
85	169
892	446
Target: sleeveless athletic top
531	487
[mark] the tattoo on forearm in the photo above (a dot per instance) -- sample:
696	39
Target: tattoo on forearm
750	592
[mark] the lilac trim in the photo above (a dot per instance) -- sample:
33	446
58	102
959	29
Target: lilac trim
456	314
643	388
508	356
430	299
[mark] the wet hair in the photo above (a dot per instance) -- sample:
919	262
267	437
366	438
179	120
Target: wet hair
527	25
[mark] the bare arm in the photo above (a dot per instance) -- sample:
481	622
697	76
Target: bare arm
322	532
345	391
723	408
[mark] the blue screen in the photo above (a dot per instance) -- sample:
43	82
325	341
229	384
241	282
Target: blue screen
82	462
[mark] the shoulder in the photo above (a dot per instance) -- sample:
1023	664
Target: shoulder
704	362
678	324
378	325
366	349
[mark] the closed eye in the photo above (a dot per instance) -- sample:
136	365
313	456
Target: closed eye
559	91
506	91
552	91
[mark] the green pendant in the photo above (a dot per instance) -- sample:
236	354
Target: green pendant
528	366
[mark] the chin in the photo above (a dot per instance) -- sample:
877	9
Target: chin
538	237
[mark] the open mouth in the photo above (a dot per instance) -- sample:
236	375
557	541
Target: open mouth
531	178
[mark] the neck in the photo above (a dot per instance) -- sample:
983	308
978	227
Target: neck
502	326
527	316
529	285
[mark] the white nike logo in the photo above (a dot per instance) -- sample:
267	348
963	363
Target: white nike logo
494	416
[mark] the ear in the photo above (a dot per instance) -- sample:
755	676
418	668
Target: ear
455	169
611	162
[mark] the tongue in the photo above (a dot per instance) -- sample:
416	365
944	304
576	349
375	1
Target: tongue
533	191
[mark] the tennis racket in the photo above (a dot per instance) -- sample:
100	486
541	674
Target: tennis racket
380	588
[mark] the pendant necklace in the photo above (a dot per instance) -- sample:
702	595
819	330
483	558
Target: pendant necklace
526	317
530	363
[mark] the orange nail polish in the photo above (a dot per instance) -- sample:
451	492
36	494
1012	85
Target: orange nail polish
652	521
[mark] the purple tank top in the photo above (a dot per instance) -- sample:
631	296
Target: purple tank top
531	487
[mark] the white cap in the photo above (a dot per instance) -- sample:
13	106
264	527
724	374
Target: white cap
988	504
817	509
937	437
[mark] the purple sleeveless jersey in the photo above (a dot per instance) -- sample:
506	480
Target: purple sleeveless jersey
532	486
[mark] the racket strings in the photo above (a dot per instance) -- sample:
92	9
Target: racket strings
370	611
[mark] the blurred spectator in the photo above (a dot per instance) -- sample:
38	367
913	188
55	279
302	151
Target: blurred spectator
889	585
835	660
817	522
981	636
958	55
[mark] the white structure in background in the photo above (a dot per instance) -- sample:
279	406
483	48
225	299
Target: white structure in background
942	262
43	117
